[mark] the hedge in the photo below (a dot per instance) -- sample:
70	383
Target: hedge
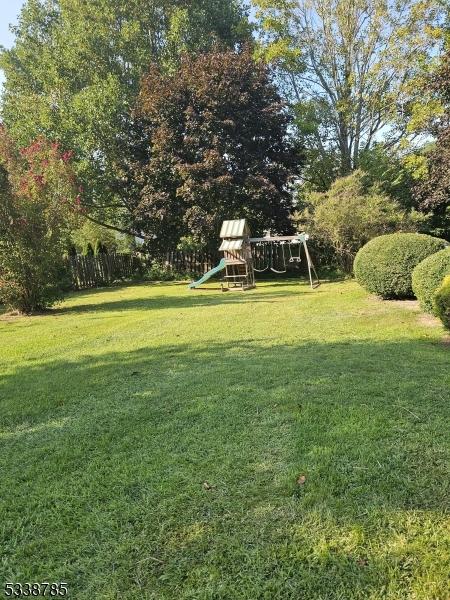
442	302
384	265
428	276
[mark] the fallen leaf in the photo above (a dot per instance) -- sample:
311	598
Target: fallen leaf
301	479
362	562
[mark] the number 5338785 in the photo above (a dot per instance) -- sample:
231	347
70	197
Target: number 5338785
21	590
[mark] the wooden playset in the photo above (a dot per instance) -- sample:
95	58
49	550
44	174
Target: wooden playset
243	255
237	251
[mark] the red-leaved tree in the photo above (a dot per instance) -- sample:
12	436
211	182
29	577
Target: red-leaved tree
39	203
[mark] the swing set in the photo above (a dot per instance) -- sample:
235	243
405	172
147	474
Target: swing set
243	256
276	252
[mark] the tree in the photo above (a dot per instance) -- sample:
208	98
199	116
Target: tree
98	237
78	64
39	204
392	172
214	146
350	214
349	66
433	191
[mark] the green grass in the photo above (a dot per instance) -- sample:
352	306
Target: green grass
118	407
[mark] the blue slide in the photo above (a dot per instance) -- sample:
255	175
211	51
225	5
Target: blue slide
207	275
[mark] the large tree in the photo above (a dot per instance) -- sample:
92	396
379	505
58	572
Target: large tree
213	145
74	70
433	191
348	66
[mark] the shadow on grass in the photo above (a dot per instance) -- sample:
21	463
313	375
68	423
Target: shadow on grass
192	299
202	296
138	434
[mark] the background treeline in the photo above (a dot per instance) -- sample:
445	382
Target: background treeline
167	117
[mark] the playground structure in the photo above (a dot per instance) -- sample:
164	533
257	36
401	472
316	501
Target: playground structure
237	261
274	252
244	255
237	250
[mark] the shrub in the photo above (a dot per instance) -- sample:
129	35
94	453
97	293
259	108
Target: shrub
428	276
384	265
157	271
442	302
349	215
38	206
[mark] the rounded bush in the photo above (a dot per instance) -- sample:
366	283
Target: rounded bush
442	302
384	265
428	276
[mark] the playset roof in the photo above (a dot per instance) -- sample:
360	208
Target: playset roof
231	245
234	229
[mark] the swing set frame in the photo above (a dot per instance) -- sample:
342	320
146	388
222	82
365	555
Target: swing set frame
299	239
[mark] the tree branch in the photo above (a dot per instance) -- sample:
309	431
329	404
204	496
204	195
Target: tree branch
118	229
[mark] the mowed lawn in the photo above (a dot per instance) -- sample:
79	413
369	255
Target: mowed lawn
282	443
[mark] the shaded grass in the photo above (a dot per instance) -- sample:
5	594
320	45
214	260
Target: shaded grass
118	408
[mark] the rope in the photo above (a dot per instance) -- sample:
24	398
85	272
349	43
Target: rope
263	246
296	259
284	259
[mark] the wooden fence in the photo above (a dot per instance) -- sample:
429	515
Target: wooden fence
196	263
103	269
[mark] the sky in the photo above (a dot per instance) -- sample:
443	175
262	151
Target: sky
9	11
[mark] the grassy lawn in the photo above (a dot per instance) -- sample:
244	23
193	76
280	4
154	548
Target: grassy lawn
152	439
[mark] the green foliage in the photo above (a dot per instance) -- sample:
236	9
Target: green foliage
349	215
214	146
158	271
442	302
428	276
322	166
392	173
79	64
195	25
100	248
433	189
416	179
384	266
95	236
38	206
352	66
189	244
88	249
